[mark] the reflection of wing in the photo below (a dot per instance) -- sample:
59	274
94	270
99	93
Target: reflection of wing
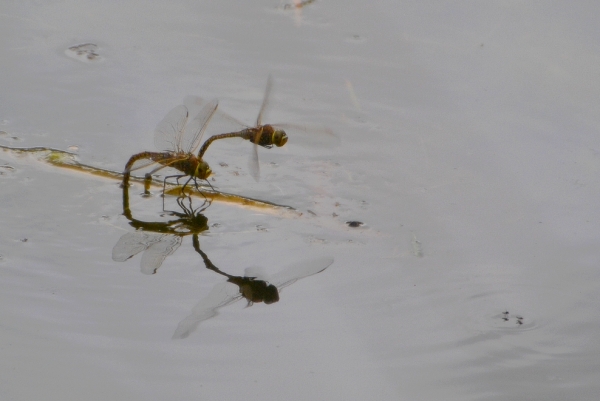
292	273
196	127
169	131
156	253
156	246
258	272
131	244
221	295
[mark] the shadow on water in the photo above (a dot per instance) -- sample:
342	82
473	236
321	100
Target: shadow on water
158	240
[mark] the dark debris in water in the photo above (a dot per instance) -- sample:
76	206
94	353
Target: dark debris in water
86	52
512	319
355	223
6	168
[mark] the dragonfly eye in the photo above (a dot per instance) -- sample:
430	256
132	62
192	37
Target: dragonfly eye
279	137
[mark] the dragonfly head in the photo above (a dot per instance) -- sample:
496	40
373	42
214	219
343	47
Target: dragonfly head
279	137
271	292
203	171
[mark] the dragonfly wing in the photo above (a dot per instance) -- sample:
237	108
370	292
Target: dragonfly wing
292	273
143	163
140	164
253	165
221	121
310	136
265	102
169	132
158	251
196	128
221	295
130	244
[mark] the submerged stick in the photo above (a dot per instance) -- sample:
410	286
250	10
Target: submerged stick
67	160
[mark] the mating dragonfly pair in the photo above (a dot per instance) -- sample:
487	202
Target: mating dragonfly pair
178	139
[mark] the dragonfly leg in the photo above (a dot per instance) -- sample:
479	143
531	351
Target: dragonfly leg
202	208
189	210
201	193
177	177
184	185
210	185
181	205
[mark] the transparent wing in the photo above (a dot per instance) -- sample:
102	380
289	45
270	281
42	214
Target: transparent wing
169	132
222	294
309	136
295	272
157	252
265	102
130	244
196	128
143	163
253	165
221	122
140	164
253	161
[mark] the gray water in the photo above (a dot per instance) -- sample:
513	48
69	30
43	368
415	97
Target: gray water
469	149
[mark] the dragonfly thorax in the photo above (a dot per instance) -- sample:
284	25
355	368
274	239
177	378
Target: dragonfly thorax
193	166
272	136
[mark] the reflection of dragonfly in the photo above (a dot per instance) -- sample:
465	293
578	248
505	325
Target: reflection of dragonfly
157	240
253	288
265	135
177	141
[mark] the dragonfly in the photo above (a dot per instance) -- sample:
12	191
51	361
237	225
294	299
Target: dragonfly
177	139
157	240
267	135
253	286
